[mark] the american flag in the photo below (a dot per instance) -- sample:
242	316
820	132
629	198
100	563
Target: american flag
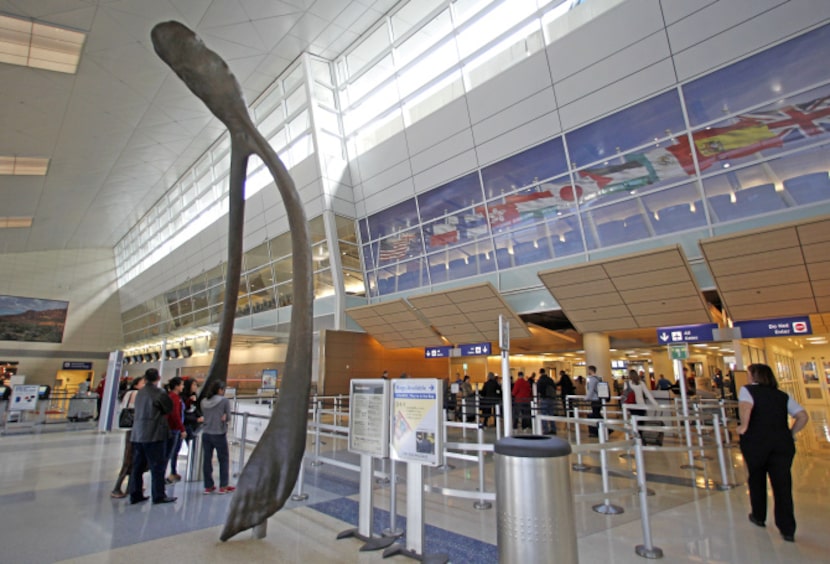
395	248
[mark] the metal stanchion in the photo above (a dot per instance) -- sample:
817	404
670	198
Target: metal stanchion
725	421
688	428
482	503
393	530
579	466
724	480
316	461
606	508
647	549
699	429
242	440
299	494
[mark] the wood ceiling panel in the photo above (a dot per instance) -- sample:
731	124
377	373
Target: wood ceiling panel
769	294
645	279
758	276
691	317
666	292
469	314
819	270
607	325
599	300
652	277
750	262
823	303
816	252
602	312
821	287
644	262
573	274
655	306
728	246
773	309
789	275
814	231
394	325
585	288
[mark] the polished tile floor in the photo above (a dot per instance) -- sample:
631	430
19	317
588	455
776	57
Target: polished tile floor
55	507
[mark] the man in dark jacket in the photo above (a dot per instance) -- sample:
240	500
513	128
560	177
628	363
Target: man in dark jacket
546	392
150	430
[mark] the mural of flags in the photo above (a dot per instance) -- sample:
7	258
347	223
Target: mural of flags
808	119
444	233
395	248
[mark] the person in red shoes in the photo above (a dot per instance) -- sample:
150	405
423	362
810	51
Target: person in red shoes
175	420
216	409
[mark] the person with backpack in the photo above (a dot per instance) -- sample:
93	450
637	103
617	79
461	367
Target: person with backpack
592	395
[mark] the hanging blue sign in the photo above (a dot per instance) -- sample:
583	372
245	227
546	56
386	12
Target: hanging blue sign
687	333
475	349
782	327
437	352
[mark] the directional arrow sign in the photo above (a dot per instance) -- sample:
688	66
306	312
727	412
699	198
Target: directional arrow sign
687	333
475	349
437	352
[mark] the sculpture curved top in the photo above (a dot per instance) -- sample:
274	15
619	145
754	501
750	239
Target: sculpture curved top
272	469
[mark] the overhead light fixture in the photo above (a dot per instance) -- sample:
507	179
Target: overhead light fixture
41	46
15	222
24	166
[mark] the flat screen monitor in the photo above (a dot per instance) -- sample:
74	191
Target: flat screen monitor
5	392
187	352
43	392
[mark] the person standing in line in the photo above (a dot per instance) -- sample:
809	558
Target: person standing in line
175	421
546	392
522	394
149	436
490	396
99	390
216	409
592	395
566	388
640	391
663	383
768	446
127	402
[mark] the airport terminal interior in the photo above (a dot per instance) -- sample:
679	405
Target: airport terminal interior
490	187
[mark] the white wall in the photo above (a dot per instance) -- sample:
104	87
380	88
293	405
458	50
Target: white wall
86	279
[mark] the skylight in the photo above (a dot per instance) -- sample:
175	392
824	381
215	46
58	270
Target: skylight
40	46
23	166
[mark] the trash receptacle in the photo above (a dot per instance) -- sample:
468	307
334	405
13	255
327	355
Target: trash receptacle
535	502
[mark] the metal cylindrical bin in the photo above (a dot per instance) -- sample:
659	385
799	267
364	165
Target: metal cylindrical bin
193	471
535	517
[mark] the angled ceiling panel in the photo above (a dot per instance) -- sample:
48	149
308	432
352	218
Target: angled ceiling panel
637	291
395	325
774	271
469	314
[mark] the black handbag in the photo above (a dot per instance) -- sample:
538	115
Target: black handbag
125	419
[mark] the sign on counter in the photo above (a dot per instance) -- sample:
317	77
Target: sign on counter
24	398
369	417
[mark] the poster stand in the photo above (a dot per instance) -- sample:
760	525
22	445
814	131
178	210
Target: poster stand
368	413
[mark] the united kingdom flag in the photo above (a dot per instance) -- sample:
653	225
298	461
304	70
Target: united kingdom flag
808	119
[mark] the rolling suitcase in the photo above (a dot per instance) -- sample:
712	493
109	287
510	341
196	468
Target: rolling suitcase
652	438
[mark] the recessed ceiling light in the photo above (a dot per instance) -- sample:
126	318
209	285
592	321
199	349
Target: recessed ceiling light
24	166
41	46
14	222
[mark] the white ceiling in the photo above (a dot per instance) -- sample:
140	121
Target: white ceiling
122	130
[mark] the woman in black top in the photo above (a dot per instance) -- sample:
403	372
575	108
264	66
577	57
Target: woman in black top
768	446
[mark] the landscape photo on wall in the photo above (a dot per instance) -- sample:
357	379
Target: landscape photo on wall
32	319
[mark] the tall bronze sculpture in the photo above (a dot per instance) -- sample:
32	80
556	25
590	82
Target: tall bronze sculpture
271	471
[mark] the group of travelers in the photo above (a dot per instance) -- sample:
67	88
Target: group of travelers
163	418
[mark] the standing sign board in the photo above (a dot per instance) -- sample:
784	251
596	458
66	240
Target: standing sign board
369	417
24	398
416	426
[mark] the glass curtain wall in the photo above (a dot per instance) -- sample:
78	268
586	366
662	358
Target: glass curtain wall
747	142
